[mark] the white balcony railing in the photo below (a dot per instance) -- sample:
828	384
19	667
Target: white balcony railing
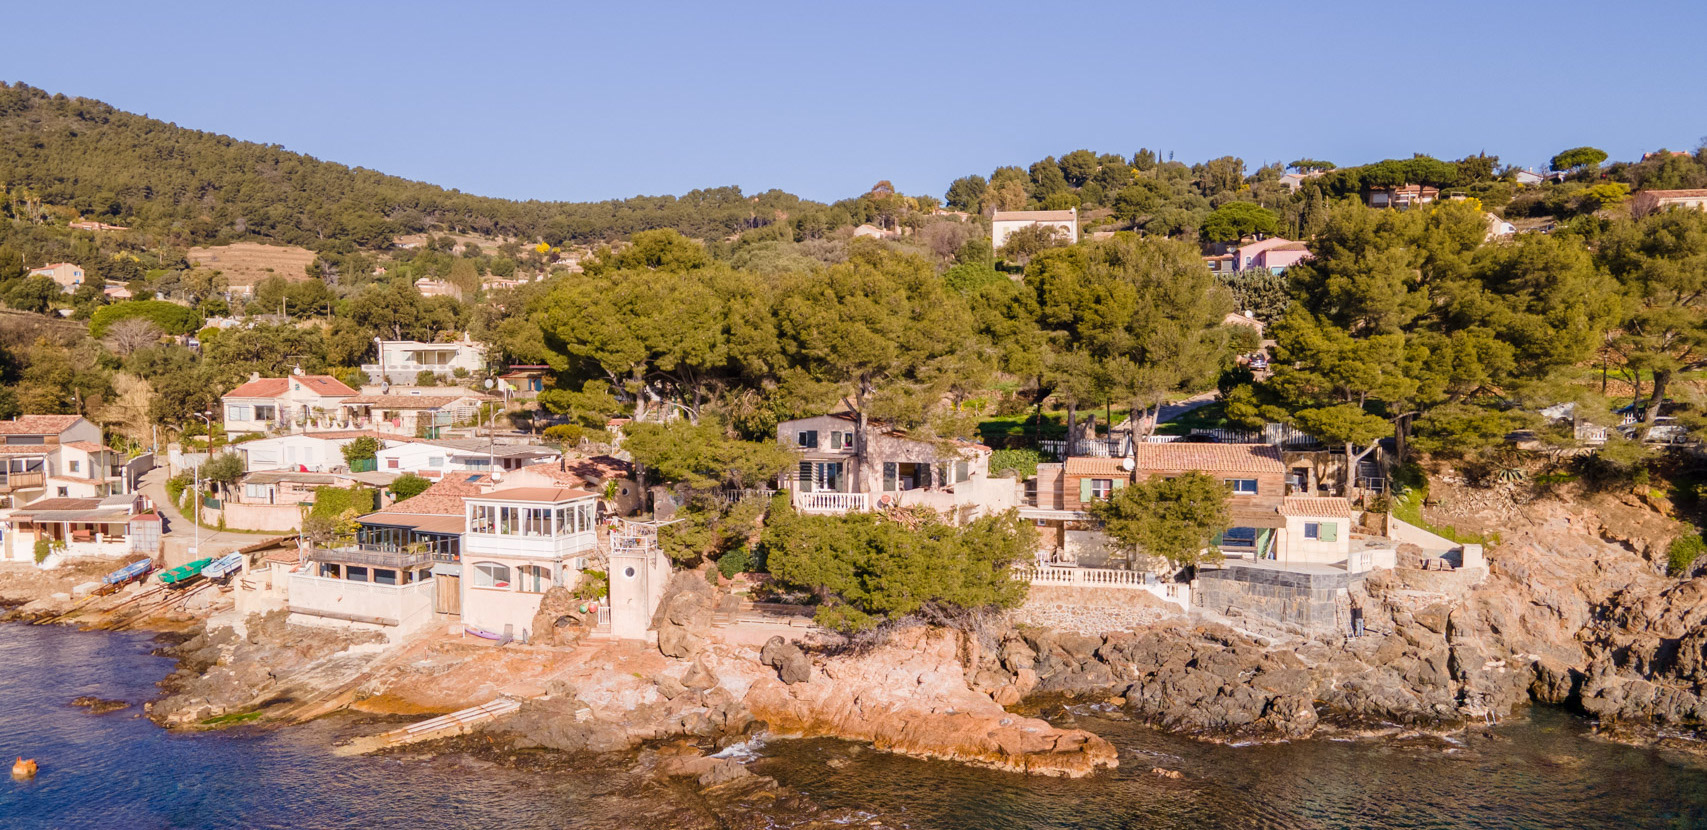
832	502
1174	592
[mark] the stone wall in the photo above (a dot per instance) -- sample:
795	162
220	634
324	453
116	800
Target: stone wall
1307	600
1092	611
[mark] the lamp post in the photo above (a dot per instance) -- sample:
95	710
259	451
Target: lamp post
491	435
196	511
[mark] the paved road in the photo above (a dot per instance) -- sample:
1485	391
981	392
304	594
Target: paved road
1174	409
180	532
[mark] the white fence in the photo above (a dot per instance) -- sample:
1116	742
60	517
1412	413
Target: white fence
831	502
1174	592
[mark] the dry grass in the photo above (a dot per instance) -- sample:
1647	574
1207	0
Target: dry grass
247	263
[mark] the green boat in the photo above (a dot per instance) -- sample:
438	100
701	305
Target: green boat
184	573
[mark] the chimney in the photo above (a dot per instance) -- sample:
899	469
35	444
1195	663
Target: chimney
254	376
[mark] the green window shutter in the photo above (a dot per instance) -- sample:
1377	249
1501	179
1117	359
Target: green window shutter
805	476
1119	483
891	476
1330	531
1084	491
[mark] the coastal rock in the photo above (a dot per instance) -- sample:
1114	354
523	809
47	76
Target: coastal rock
684	616
911	696
99	706
789	661
559	621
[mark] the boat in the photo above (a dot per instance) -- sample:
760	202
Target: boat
224	566
24	769
482	633
134	570
184	573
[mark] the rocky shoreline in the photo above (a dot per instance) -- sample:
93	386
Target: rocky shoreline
1572	613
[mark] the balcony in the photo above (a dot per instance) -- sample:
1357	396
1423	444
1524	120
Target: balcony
832	503
18	481
372	557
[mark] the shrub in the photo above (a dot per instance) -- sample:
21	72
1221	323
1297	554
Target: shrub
170	317
594	585
361	449
409	485
1684	550
459	372
43	548
426	377
870	568
735	562
1022	461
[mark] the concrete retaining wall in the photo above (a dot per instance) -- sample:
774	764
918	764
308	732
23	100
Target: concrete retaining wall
1306	600
1401	531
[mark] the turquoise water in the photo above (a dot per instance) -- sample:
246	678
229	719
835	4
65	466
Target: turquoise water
120	771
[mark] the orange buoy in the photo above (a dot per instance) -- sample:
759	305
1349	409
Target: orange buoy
24	769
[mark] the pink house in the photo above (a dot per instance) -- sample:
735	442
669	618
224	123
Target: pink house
1274	255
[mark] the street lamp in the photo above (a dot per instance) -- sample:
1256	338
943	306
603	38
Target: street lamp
196	511
491	435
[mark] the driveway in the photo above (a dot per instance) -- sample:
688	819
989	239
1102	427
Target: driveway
180	533
1174	409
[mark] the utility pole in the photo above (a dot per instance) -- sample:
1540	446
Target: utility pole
196	511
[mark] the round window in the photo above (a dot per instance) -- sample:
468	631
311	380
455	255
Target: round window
628	572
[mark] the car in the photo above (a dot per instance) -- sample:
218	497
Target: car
1259	362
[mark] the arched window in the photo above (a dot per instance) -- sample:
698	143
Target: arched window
491	575
534	579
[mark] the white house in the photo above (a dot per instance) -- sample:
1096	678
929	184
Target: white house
414	412
271	404
311	452
520	543
58	456
435	457
74	527
1005	222
401	361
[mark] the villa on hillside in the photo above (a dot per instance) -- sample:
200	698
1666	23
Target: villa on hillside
1273	255
950	476
68	275
1649	201
1005	222
1401	196
268	405
414	412
402	361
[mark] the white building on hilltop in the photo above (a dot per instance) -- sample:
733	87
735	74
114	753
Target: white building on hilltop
1006	222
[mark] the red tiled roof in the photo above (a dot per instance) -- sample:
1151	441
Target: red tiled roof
544	495
26	449
1209	458
62	504
324	385
1316	506
1677	194
38	424
88	446
443	498
1082	466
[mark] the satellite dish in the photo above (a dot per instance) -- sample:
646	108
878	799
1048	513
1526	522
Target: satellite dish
384	387
1127	464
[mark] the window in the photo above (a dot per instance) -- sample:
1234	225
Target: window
26	439
1240	537
491	575
533	579
962	471
841	440
1243	486
64	491
392	463
1312	530
384	576
355	573
237	412
74	465
436	461
536	521
808	439
254	491
1101	488
265	412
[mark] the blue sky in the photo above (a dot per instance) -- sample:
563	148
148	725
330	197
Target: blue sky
592	101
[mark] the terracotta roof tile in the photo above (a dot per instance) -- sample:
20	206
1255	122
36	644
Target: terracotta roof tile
1086	466
1316	506
38	424
324	385
88	446
444	497
1209	458
1034	216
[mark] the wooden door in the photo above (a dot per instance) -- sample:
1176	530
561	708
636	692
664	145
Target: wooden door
449	597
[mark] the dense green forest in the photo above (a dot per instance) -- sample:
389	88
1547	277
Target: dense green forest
191	187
